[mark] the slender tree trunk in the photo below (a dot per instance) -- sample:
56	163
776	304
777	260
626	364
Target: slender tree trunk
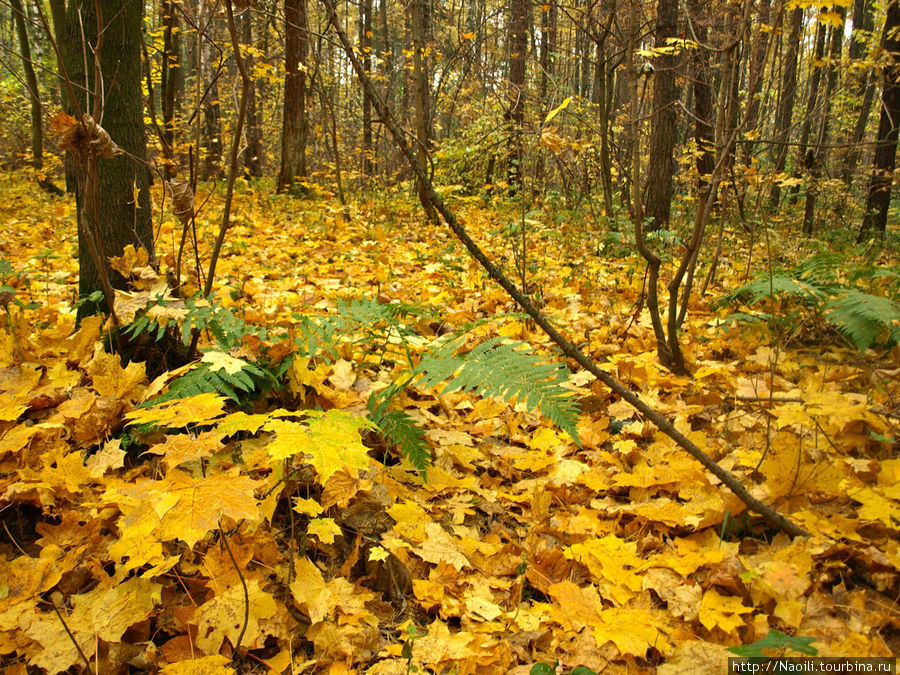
37	127
661	169
252	156
704	130
171	78
818	154
879	199
805	154
365	44
862	85
785	111
422	102
515	111
212	119
757	63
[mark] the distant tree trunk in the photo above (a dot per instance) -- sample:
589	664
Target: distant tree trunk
805	155
704	130
365	44
863	84
253	152
114	202
661	168
755	78
879	199
549	13
818	153
212	122
421	102
785	110
37	128
171	77
294	120
517	38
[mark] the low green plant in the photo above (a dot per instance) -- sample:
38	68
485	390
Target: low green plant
834	299
776	641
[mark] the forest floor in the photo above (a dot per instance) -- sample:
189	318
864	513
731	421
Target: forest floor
284	536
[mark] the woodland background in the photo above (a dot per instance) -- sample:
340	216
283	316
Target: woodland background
281	387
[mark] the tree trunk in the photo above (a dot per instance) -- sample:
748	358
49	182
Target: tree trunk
755	78
294	120
37	127
253	151
879	199
421	101
114	202
818	153
704	130
661	169
171	77
806	155
862	85
365	44
785	111
517	40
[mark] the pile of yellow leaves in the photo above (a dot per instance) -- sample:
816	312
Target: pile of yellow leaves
207	551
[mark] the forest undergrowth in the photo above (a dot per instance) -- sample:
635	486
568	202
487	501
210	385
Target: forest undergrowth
267	525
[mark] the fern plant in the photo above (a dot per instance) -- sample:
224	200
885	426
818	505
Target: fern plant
863	319
494	368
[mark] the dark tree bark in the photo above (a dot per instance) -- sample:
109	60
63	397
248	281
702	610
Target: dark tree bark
879	199
120	187
805	154
171	76
365	44
549	14
210	65
862	86
755	79
253	152
421	98
817	155
785	111
294	122
704	129
37	127
661	169
517	40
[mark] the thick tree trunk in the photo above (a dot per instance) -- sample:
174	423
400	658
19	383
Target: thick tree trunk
294	121
879	199
116	204
661	169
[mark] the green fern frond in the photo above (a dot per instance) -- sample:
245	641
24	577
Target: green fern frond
508	371
400	430
203	379
771	287
864	319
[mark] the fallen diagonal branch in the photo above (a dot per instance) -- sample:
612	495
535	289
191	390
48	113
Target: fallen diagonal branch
730	480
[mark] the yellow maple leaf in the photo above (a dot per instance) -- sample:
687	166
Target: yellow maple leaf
223	617
199	409
722	611
203	665
324	529
221	361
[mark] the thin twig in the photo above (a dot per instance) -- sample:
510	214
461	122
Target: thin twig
69	633
224	539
